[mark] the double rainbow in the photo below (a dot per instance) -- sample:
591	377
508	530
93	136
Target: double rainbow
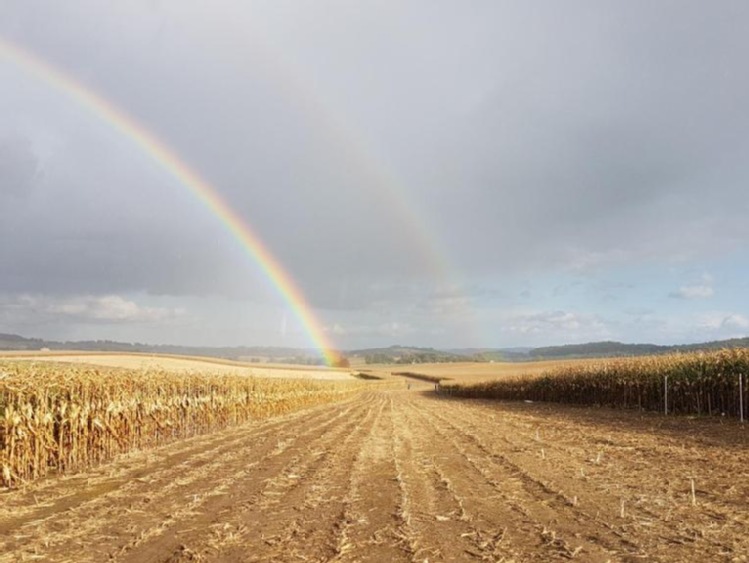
170	161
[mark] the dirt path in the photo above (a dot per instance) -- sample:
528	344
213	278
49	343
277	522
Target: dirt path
405	476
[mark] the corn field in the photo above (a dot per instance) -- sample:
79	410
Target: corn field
698	383
61	418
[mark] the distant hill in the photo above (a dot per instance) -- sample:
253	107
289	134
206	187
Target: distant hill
243	353
494	354
407	355
390	355
479	351
608	349
597	349
15	342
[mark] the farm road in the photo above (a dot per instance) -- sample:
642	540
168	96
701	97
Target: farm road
404	476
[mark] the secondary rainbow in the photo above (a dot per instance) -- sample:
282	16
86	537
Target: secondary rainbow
170	161
294	82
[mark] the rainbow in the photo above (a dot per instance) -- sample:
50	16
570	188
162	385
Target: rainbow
170	161
373	171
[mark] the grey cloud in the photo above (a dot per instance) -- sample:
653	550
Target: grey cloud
268	152
107	308
511	140
567	326
638	311
703	289
19	167
392	331
732	321
31	309
712	325
607	149
575	143
693	292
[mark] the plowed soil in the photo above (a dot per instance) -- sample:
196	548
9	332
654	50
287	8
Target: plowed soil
405	475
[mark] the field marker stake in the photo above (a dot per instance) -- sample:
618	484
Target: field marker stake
665	395
741	397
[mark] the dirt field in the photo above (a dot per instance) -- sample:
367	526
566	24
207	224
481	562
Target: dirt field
186	365
470	372
406	476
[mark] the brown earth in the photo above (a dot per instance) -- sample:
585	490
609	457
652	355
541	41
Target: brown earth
474	372
404	475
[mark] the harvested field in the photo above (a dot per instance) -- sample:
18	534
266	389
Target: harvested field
397	475
474	372
178	364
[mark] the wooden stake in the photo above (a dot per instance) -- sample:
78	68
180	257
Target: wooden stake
694	497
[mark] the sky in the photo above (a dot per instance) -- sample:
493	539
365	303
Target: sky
446	174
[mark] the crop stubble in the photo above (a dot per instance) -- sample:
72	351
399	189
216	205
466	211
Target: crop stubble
405	476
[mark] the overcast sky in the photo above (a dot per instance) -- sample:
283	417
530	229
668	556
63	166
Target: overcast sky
444	174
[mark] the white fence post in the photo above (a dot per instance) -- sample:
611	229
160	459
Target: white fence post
665	395
741	397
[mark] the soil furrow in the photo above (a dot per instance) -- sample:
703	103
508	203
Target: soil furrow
542	512
616	488
491	506
309	531
370	530
159	499
400	475
444	529
251	496
56	494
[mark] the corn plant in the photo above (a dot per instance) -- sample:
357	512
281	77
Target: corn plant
58	417
698	383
